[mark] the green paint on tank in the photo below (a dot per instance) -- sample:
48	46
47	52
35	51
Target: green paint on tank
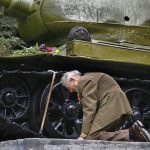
50	21
110	52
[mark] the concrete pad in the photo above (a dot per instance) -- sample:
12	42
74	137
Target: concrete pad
65	144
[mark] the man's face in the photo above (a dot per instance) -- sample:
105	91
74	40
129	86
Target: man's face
72	85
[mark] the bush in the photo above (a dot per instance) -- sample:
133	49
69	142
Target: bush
5	47
8	25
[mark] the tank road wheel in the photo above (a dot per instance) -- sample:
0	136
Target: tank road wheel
140	103
14	97
64	117
79	33
35	110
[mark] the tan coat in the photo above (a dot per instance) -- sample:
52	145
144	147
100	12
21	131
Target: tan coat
103	102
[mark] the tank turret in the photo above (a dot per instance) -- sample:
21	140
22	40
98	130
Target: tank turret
51	20
18	9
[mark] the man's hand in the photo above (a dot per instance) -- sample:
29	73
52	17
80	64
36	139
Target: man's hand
80	138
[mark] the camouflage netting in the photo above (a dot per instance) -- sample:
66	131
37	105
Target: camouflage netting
9	37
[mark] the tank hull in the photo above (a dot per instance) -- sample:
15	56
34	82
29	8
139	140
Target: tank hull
31	75
115	21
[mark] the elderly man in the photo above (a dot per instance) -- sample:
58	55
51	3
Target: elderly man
105	107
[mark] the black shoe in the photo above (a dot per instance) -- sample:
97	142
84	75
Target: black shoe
139	133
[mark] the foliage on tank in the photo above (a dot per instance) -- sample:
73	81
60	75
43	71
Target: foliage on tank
5	47
9	37
26	51
8	25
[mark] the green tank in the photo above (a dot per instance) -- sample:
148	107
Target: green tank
51	21
110	36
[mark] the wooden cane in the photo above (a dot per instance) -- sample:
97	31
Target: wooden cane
47	103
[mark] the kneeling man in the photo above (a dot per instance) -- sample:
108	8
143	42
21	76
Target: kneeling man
105	107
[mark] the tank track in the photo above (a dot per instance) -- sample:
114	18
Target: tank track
34	83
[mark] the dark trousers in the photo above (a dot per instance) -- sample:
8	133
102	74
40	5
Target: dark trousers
120	135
